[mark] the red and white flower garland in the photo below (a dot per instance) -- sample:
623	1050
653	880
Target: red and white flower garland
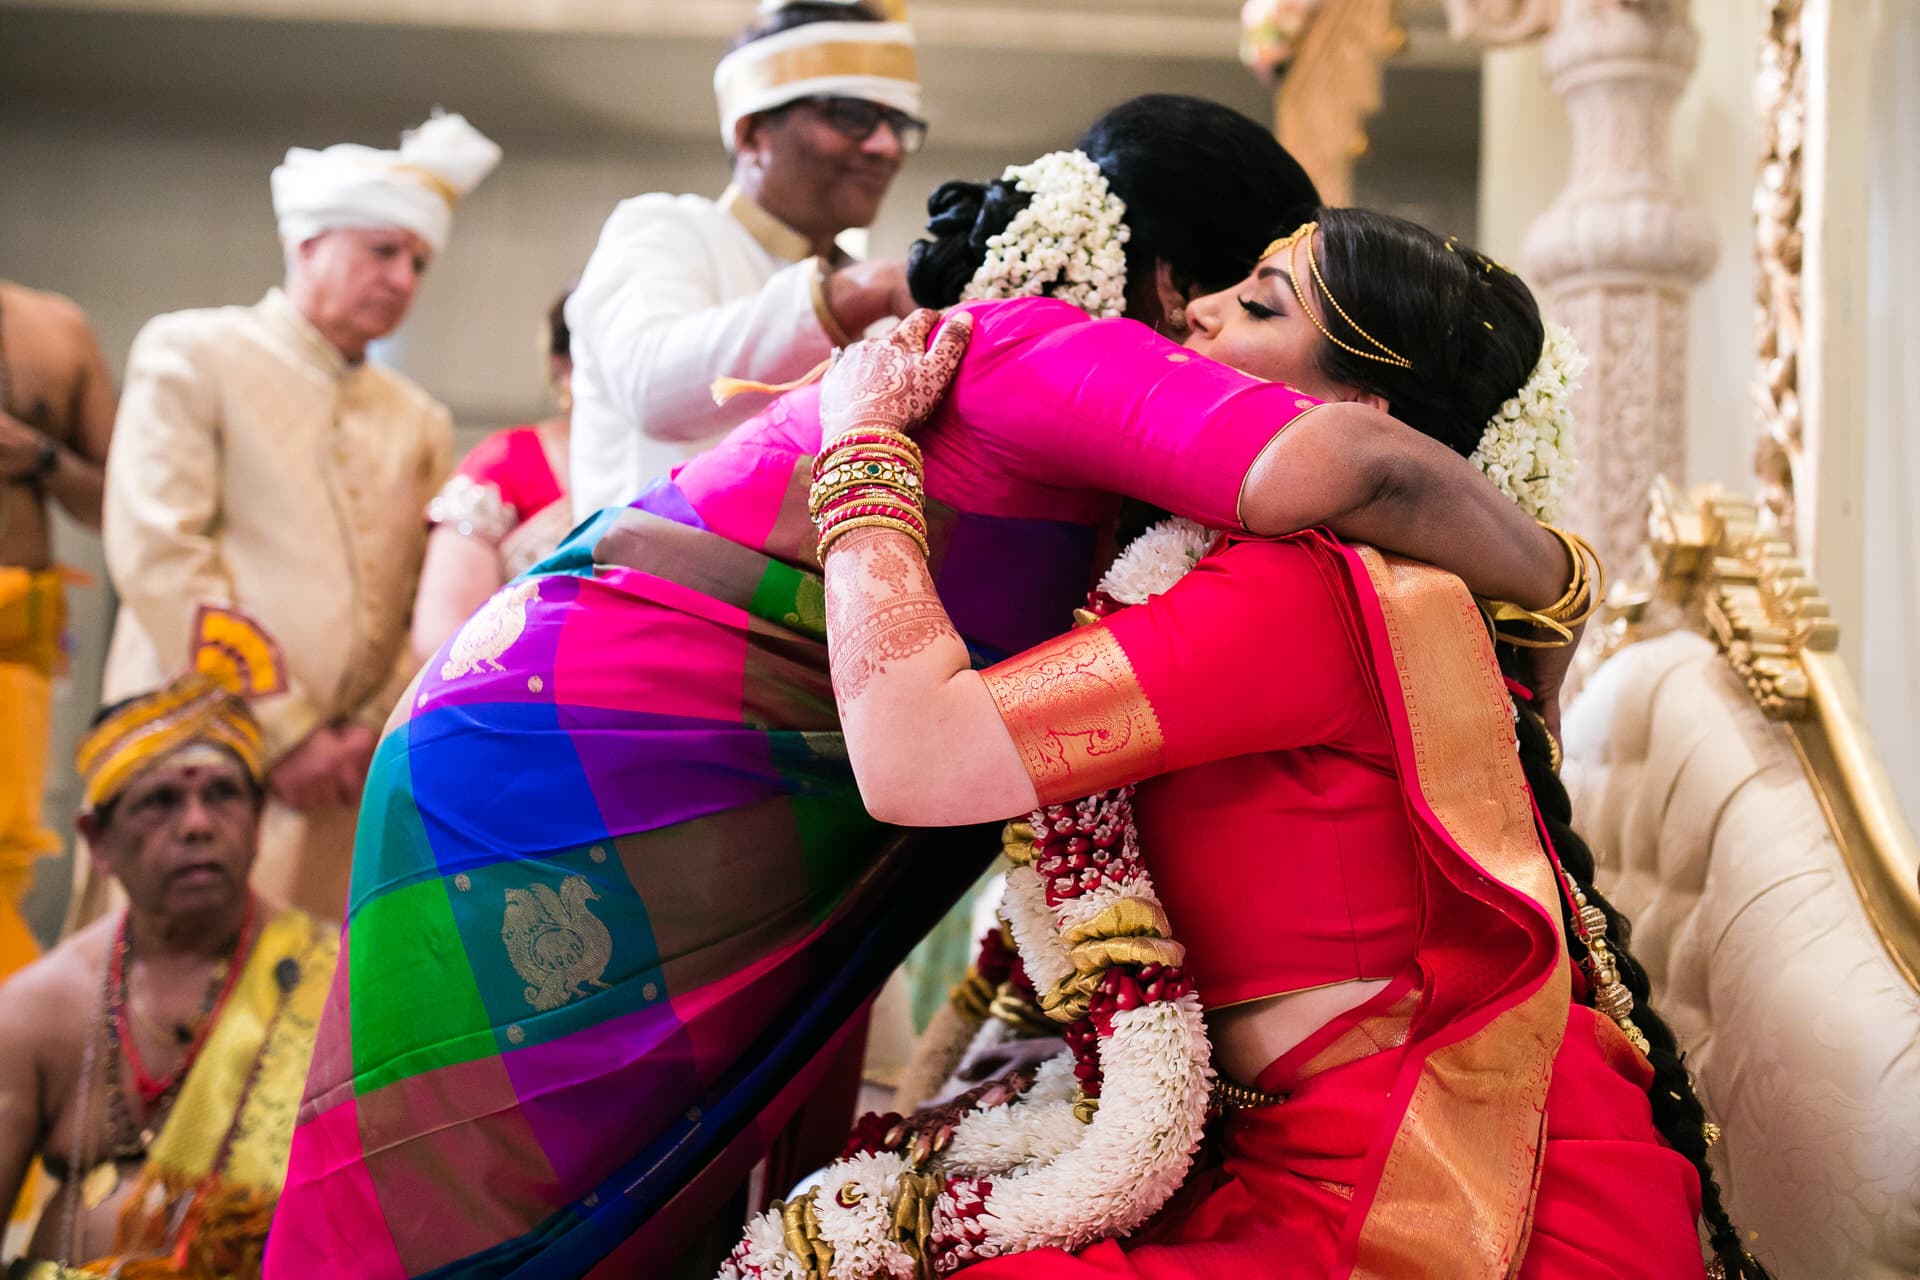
1102	1135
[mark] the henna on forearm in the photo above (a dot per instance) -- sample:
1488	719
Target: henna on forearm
896	630
881	609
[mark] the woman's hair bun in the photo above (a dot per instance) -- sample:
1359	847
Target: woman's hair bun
961	218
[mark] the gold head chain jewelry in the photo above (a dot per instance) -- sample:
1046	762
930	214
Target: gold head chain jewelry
1290	245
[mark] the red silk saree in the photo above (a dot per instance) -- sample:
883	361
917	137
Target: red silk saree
1470	1119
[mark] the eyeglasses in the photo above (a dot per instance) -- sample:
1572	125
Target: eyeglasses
855	119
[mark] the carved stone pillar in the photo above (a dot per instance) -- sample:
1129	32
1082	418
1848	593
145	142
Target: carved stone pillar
1618	254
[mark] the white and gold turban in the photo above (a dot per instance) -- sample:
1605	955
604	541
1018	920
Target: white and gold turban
416	187
870	60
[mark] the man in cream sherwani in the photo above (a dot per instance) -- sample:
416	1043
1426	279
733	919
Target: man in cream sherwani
818	107
260	460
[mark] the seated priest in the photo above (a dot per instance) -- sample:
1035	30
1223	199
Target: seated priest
155	1058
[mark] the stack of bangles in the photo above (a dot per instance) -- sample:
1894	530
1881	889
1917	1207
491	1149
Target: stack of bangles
868	479
1553	626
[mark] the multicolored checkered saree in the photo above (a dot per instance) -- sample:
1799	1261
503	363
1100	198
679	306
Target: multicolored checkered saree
614	894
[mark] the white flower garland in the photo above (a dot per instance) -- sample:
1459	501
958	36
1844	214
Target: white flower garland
997	1140
1527	449
1158	558
1068	243
1034	1172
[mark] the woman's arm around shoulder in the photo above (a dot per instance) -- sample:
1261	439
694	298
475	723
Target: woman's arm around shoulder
1370	478
1250	652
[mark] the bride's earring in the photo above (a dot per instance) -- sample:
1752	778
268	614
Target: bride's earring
1177	326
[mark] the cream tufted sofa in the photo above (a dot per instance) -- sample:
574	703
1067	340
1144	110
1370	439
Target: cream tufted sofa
1773	891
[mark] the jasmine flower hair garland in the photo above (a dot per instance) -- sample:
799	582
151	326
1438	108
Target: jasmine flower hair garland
1527	449
1068	243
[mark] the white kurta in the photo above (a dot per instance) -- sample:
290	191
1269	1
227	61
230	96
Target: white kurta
682	290
251	464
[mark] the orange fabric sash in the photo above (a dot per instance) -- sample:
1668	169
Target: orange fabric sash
1456	1177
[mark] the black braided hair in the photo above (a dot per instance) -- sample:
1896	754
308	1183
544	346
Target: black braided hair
1677	1112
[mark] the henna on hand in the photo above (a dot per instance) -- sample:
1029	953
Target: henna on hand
893	382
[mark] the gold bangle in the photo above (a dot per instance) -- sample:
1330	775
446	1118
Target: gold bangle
1503	615
1558	620
1227	1096
1586	592
875	500
874	476
863	437
869	450
821	502
833	535
817	271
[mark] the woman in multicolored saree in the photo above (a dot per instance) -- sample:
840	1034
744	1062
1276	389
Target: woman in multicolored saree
615	899
1400	980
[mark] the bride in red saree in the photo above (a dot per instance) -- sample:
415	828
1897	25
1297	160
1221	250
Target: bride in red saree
1439	1067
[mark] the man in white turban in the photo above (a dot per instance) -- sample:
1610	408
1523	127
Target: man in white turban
819	105
260	460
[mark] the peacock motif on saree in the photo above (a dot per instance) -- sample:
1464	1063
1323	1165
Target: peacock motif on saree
557	945
491	632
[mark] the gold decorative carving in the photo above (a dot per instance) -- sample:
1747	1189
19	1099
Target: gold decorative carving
1715	557
1715	562
1781	95
1331	87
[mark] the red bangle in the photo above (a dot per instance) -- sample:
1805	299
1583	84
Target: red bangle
899	439
852	510
840	515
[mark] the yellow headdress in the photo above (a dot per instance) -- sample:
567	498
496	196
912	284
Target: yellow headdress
233	660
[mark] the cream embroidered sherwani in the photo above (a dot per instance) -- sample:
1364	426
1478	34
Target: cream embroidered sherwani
681	290
251	464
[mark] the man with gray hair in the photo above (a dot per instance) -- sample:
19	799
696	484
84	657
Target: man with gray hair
260	460
818	103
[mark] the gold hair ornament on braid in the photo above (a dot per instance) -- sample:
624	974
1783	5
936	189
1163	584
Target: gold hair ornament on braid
1289	245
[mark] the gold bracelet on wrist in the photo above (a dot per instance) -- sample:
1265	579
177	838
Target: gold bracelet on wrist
859	437
835	533
1587	592
817	272
845	479
1553	627
840	458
